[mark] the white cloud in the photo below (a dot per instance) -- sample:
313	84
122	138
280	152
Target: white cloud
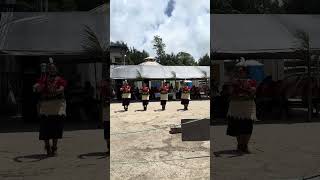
136	22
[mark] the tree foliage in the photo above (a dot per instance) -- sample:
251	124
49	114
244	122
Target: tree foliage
204	61
265	7
185	59
159	46
60	5
246	6
135	56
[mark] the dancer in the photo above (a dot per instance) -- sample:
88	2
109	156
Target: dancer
126	95
185	96
145	96
242	110
164	89
52	107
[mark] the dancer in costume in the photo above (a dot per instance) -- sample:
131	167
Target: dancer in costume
185	96
126	95
242	109
145	93
164	89
52	107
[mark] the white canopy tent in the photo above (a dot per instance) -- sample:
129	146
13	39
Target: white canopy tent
159	72
249	63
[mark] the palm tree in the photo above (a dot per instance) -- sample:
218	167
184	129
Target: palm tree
139	76
93	46
99	51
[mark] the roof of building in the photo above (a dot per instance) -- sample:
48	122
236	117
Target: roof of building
49	33
261	34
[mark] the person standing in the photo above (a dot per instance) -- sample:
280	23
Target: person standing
126	95
52	107
145	96
242	110
164	89
185	96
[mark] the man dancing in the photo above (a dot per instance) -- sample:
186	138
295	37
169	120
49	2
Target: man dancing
126	95
164	89
145	96
185	96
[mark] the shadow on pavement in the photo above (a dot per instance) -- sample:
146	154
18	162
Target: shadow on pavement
120	111
21	126
98	155
30	158
158	110
221	122
140	110
195	129
234	153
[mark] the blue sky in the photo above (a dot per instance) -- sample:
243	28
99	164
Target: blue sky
184	25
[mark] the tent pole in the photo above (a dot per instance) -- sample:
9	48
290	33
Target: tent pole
95	79
310	108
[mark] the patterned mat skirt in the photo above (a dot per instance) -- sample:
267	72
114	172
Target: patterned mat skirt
51	127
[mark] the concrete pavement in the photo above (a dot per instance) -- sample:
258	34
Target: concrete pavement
81	157
156	154
279	152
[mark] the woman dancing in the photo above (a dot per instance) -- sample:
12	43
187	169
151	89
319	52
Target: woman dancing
52	108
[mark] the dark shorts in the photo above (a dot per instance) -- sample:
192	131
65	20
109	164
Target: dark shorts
238	127
106	128
145	102
184	101
51	127
163	102
125	102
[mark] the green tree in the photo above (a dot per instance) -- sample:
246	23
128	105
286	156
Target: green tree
60	5
245	6
136	57
159	46
119	43
204	61
301	7
185	59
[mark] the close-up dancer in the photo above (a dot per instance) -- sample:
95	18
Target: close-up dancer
242	109
52	107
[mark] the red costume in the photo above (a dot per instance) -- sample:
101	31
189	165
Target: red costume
125	88
186	89
48	87
164	89
243	88
145	90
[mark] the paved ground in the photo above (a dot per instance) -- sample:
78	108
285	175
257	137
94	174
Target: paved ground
157	154
80	157
279	151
